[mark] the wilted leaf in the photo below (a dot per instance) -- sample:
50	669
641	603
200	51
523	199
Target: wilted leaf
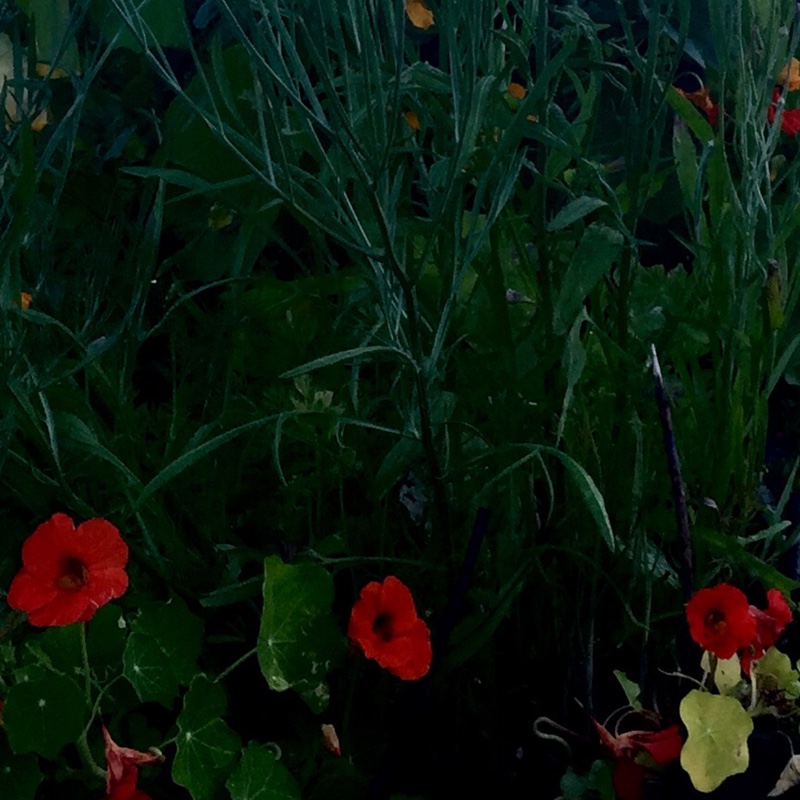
788	778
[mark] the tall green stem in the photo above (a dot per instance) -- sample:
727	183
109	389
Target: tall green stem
83	741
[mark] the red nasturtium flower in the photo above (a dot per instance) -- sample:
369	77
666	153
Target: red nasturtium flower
384	623
790	120
769	626
68	573
122	770
629	773
720	620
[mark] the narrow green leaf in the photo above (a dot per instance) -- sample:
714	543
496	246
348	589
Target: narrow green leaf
590	493
192	456
597	250
574	211
690	115
346	355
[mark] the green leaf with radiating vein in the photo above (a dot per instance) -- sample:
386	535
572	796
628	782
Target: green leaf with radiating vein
162	650
716	747
206	748
147	670
41	716
260	776
299	640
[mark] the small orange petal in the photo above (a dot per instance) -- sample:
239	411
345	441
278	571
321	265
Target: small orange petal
517	90
419	14
40	122
413	120
43	71
791	74
25	300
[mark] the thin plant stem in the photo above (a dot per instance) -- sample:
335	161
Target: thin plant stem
83	740
227	671
86	671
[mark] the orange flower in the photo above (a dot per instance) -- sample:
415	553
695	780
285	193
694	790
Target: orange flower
518	92
413	120
384	623
790	74
702	100
25	299
419	14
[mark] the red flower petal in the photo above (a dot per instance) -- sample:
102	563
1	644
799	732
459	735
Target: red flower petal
384	623
663	746
628	779
68	573
790	119
122	769
769	626
720	620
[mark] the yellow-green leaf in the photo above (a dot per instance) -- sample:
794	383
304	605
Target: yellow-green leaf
775	668
716	747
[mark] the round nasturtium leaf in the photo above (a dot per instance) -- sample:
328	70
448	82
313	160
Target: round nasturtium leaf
206	747
57	649
716	747
727	672
44	715
260	776
20	776
299	640
106	636
162	650
775	669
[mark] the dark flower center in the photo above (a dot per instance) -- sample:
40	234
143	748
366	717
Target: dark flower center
715	620
383	626
73	574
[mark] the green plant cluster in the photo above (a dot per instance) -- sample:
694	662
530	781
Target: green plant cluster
309	288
